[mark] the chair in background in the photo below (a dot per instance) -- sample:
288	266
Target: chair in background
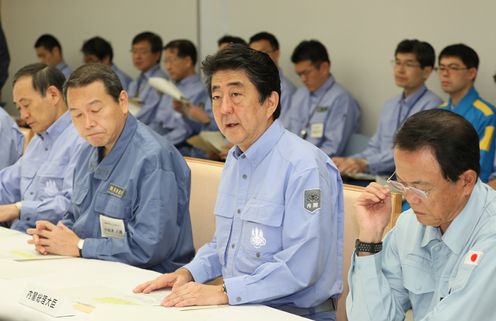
351	194
205	179
356	144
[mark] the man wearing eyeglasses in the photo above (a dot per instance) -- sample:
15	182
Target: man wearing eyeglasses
146	53
323	112
413	64
179	120
457	70
439	258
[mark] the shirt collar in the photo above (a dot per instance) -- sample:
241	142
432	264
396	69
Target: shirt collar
189	80
466	101
61	65
325	87
263	145
413	98
103	169
150	72
51	134
458	232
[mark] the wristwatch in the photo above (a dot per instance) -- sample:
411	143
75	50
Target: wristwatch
224	288
80	245
367	247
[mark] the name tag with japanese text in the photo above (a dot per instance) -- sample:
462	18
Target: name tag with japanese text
317	130
46	301
112	227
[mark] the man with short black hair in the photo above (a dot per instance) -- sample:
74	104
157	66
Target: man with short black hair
279	210
131	186
177	120
458	65
99	50
267	43
39	185
413	63
322	112
146	53
227	40
49	51
438	259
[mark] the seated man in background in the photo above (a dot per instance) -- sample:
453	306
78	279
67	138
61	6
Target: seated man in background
279	210
99	50
49	51
174	119
322	112
146	50
227	40
131	186
11	142
39	185
267	43
457	70
413	63
439	258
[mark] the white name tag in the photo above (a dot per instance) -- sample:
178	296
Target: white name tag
317	130
46	301
112	227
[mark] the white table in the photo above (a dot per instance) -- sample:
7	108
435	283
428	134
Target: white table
73	276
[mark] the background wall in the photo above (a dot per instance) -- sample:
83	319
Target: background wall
360	35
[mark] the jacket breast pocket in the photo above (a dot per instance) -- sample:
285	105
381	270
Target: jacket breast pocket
224	213
261	235
113	207
51	179
418	280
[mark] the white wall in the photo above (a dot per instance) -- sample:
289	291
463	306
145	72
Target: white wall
73	21
360	35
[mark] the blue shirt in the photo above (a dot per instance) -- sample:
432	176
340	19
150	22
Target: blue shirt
11	141
440	277
171	123
287	91
379	151
143	183
149	97
66	70
279	225
328	116
481	115
123	77
42	178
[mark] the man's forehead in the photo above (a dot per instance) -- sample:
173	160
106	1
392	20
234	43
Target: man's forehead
406	56
229	77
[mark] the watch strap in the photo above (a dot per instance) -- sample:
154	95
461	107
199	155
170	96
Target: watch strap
367	247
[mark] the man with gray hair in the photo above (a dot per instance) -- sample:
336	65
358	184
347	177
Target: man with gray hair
131	186
39	185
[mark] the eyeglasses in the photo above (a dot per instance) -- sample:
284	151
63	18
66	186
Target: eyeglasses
406	64
406	189
449	68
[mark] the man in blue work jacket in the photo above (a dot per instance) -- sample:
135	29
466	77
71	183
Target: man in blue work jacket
458	65
131	186
279	209
439	258
39	185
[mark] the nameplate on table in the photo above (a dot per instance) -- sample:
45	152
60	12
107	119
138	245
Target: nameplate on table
46	301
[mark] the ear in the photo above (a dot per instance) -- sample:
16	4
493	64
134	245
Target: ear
426	72
271	103
54	95
468	180
123	102
473	73
325	67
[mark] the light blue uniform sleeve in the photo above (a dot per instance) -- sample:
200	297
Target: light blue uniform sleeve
305	237
10	183
206	265
343	120
11	142
377	295
151	232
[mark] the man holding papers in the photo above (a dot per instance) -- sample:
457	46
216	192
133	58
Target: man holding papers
39	185
279	209
131	186
178	118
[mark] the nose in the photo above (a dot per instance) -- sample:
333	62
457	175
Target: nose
24	114
226	105
88	121
411	198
